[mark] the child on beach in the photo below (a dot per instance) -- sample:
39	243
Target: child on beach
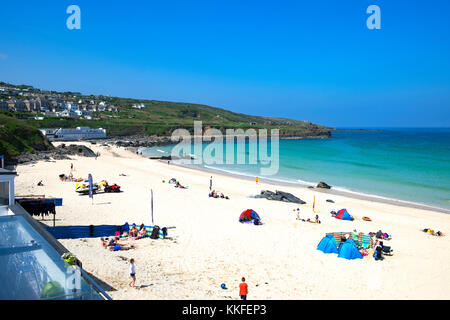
132	273
243	289
142	232
133	231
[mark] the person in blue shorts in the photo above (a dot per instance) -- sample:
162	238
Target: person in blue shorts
132	273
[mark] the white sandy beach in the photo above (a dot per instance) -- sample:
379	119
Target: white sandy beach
279	259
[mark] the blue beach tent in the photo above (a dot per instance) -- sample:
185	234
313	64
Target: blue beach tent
328	245
349	250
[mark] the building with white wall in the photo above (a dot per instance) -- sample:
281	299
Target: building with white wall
79	133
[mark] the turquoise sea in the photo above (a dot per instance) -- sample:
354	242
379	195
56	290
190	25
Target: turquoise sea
410	164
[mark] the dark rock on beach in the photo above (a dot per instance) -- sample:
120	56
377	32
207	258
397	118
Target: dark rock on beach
280	196
161	158
323	185
74	150
62	152
171	158
136	141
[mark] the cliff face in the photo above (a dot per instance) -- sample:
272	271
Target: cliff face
17	137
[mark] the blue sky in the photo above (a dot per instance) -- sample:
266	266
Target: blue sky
308	60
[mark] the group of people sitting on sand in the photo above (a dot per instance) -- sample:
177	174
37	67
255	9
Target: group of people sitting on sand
177	183
352	235
377	246
378	250
69	178
113	244
135	233
214	194
316	218
380	235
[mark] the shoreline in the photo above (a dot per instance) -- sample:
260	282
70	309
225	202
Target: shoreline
350	194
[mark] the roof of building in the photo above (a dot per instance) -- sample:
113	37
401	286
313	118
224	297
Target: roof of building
7	172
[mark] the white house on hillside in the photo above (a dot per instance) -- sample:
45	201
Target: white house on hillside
138	106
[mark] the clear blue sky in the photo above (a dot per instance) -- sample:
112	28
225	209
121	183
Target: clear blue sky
308	60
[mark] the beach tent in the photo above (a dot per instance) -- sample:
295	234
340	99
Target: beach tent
328	244
343	215
249	215
349	250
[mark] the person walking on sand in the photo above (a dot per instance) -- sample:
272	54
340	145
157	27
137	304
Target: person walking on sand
132	273
298	214
210	183
256	180
243	289
71	166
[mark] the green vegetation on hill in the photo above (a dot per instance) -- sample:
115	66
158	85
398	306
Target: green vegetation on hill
17	137
161	118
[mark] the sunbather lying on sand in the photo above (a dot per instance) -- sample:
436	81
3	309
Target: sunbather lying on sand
121	247
431	231
178	185
214	194
104	241
110	242
380	235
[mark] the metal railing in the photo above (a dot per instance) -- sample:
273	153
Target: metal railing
94	284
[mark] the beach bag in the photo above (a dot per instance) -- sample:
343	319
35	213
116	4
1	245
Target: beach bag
155	233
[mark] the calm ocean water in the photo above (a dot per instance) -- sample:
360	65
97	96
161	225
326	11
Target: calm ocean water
410	164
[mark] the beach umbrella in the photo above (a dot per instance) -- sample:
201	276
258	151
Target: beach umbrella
314	202
152	205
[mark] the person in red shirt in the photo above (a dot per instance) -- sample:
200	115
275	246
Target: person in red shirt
243	289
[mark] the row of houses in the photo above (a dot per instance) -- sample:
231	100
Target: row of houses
55	104
52	103
39	105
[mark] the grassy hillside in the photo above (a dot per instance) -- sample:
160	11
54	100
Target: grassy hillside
17	137
162	117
